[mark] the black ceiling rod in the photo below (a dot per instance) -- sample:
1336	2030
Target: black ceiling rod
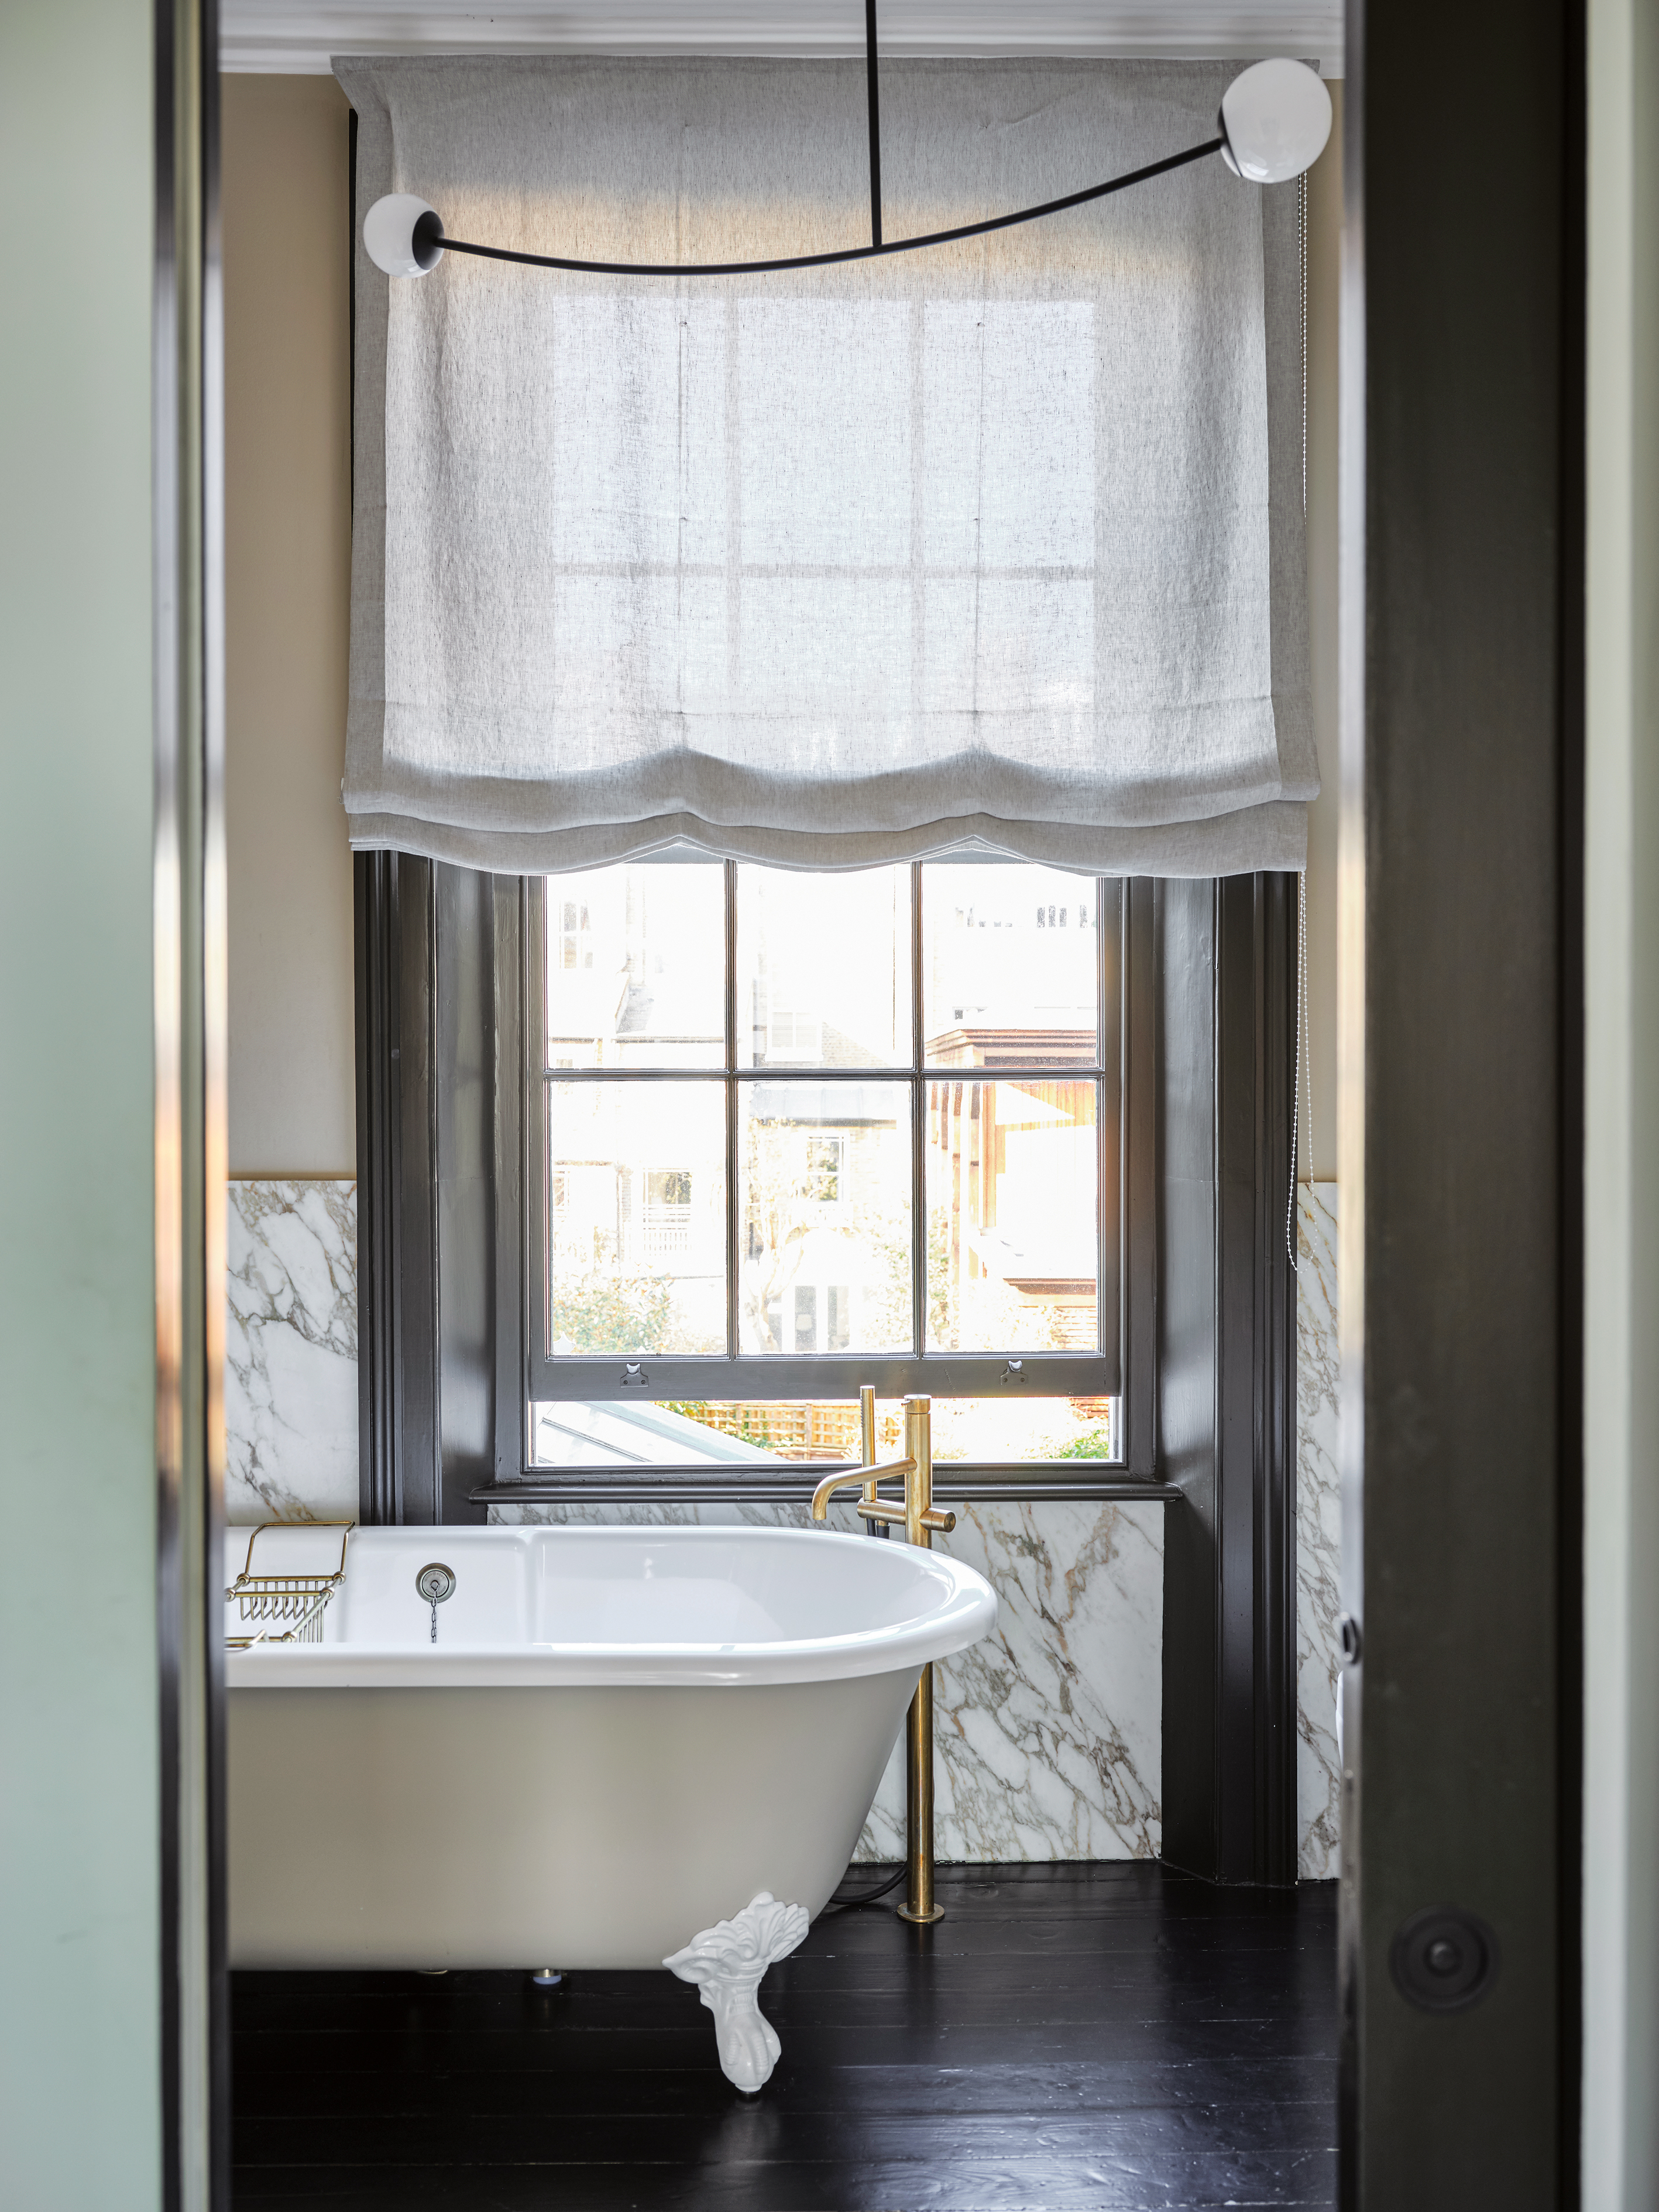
429	230
875	124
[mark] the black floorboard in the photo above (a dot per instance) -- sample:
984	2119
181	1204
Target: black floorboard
1099	2036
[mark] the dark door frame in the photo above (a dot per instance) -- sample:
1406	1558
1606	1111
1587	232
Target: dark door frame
1461	529
1226	1396
1463	565
188	631
440	1364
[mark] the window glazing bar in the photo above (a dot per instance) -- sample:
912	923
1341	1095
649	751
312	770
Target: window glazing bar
1054	1071
954	1481
732	1108
1102	1162
759	1377
918	1169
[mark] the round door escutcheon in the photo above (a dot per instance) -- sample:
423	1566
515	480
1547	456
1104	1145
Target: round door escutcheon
1444	1959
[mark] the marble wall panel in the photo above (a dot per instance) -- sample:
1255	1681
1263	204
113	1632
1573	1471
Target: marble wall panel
1049	1732
1318	1531
291	1352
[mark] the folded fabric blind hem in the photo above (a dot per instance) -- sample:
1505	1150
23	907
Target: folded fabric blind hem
1273	835
1000	551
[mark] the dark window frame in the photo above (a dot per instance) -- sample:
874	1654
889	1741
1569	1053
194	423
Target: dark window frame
778	1377
445	1168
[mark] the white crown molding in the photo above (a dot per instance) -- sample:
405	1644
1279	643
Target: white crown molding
297	36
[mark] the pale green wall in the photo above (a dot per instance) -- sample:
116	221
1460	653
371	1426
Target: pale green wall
79	2046
1621	1101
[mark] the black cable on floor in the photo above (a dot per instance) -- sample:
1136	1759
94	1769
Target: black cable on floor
868	1897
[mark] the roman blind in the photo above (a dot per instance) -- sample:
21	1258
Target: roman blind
997	547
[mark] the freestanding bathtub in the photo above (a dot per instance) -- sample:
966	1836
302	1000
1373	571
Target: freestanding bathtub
621	1741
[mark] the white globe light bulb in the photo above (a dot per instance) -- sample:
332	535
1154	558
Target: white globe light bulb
1276	119
403	235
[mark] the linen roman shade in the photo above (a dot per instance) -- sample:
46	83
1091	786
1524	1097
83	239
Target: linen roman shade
997	546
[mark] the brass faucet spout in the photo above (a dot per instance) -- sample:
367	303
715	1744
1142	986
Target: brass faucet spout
853	1478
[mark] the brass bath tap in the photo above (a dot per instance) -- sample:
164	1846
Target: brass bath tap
919	1517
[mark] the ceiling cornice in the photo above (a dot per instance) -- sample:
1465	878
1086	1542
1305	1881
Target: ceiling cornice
298	37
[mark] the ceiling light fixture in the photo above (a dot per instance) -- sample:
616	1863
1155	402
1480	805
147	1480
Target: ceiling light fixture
1274	120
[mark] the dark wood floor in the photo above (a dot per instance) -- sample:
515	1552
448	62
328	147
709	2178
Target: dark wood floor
1102	2036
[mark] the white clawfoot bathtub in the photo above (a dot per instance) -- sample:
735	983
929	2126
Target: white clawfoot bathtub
619	1738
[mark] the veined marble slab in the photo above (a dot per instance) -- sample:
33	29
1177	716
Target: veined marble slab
1048	1734
1318	1532
291	1352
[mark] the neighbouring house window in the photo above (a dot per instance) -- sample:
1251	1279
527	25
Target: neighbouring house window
791	1132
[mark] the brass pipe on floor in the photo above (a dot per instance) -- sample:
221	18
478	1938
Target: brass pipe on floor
919	1516
918	1905
921	1519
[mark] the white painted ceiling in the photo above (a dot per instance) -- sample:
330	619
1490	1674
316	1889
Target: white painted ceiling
298	36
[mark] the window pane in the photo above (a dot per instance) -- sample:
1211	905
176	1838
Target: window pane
823	969
1013	1193
640	1432
1010	966
824	1218
636	967
1007	1428
1015	1426
636	1217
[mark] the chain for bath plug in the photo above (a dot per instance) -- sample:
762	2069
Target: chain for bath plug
435	1583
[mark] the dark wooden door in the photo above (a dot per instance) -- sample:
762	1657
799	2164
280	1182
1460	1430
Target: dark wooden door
1462	577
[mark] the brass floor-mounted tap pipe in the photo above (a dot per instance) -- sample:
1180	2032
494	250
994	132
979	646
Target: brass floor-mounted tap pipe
867	1441
922	1517
919	1517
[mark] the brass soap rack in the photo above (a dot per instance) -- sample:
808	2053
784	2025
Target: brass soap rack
297	1599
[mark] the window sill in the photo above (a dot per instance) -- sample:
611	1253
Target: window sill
954	1483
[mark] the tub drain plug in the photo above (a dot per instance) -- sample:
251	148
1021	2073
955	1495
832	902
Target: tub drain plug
435	1583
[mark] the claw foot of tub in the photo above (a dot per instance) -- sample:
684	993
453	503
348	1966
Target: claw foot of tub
727	1962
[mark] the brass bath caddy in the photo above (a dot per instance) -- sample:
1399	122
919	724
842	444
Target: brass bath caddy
292	1605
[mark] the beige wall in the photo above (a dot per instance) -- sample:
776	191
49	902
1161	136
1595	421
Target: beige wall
287	547
287	550
1325	269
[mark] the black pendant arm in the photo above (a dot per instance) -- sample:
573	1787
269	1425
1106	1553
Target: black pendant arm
823	261
873	95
